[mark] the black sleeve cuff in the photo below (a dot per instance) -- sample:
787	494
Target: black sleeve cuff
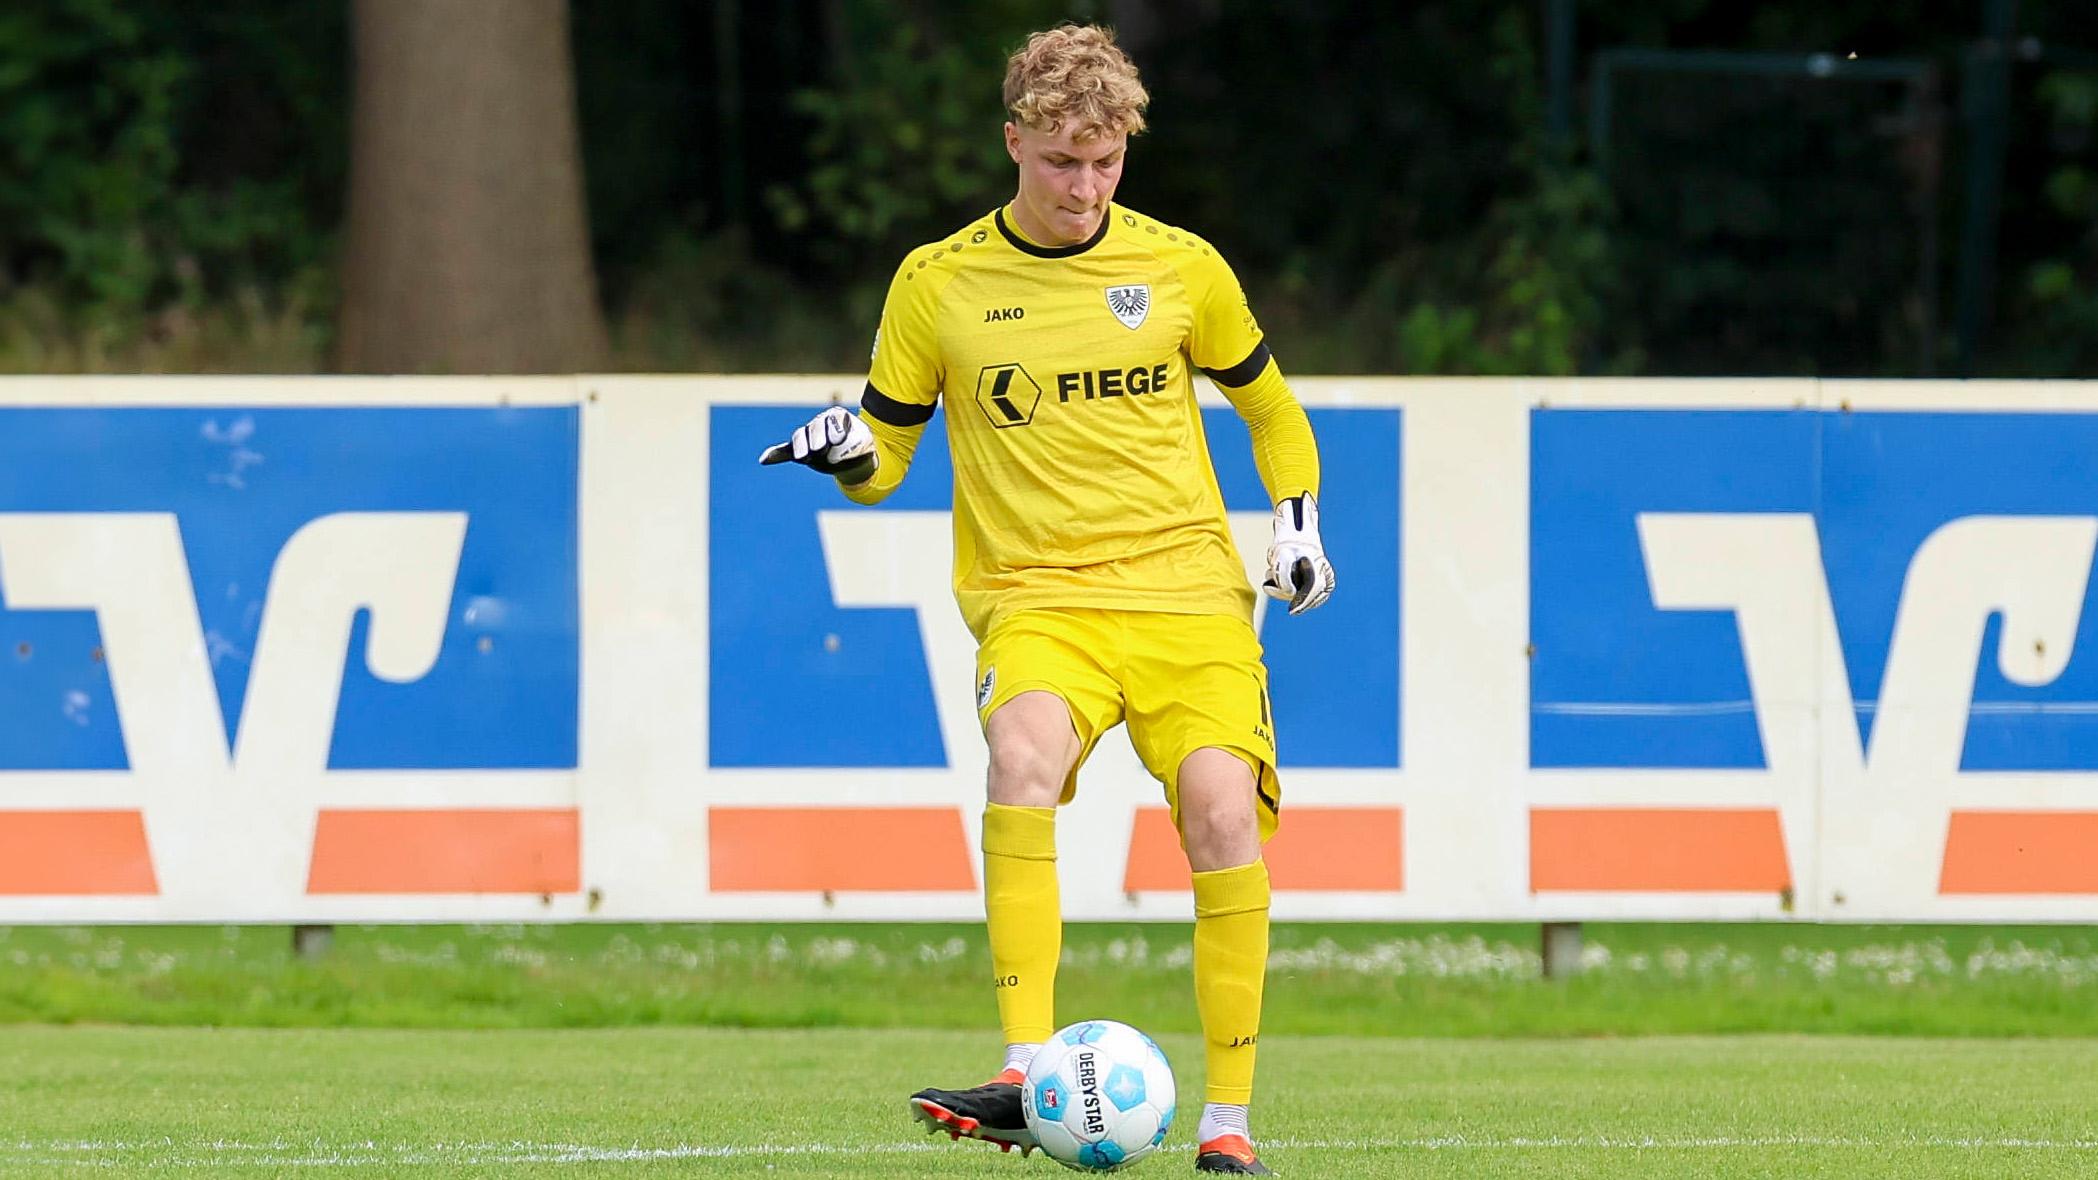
887	410
1244	371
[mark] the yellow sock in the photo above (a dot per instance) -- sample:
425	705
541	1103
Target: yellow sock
1231	965
1025	916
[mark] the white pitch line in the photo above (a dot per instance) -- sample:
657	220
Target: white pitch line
1652	1143
222	1153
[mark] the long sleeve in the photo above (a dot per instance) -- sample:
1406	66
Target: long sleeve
1284	451
903	385
894	445
1227	345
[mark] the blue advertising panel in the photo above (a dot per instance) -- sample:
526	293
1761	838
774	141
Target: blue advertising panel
1616	682
784	696
1890	480
240	481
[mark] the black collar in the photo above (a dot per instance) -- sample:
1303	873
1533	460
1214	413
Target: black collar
1026	247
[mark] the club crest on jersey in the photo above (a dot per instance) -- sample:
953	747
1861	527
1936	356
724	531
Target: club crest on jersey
1130	304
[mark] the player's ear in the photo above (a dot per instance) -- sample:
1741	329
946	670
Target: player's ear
1012	141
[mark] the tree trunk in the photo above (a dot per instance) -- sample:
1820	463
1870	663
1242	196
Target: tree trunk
468	249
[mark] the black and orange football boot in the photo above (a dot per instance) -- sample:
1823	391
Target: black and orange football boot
1230	1155
990	1112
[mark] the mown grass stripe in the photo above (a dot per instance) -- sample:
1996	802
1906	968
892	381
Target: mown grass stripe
370	1154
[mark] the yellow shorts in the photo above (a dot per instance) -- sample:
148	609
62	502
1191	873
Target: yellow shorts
1183	682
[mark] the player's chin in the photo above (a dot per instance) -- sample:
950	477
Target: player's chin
1080	226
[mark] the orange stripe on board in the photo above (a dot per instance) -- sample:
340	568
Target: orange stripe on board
1317	849
837	849
447	851
1657	850
2021	852
71	853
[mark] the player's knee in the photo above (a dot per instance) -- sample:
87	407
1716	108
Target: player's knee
1024	774
1219	833
1032	749
1219	820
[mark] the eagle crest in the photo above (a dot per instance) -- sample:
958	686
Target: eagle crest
1130	304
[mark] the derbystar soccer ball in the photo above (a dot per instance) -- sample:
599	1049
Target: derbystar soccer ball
1098	1096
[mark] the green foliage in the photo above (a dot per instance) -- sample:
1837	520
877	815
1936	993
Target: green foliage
712	304
1522	292
109	122
1552	272
1546	247
172	180
2059	331
87	152
900	148
906	139
249	330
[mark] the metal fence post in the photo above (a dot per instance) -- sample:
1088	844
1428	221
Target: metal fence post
1562	949
1987	100
311	942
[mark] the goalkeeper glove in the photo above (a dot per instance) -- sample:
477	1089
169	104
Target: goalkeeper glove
834	442
1298	572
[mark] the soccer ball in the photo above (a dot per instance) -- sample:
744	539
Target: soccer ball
1098	1096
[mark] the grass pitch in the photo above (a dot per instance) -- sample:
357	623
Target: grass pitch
121	1102
774	1050
1323	979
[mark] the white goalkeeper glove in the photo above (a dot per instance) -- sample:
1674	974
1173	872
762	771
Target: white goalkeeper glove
1298	572
834	442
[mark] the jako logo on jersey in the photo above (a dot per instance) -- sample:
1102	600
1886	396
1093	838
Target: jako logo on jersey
1007	395
1096	383
992	315
989	686
1130	304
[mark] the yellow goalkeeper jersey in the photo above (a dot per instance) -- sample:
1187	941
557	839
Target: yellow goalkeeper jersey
1081	473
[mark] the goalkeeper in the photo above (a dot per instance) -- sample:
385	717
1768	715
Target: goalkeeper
1092	558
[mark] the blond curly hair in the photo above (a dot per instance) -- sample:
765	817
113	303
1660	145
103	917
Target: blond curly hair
1077	73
